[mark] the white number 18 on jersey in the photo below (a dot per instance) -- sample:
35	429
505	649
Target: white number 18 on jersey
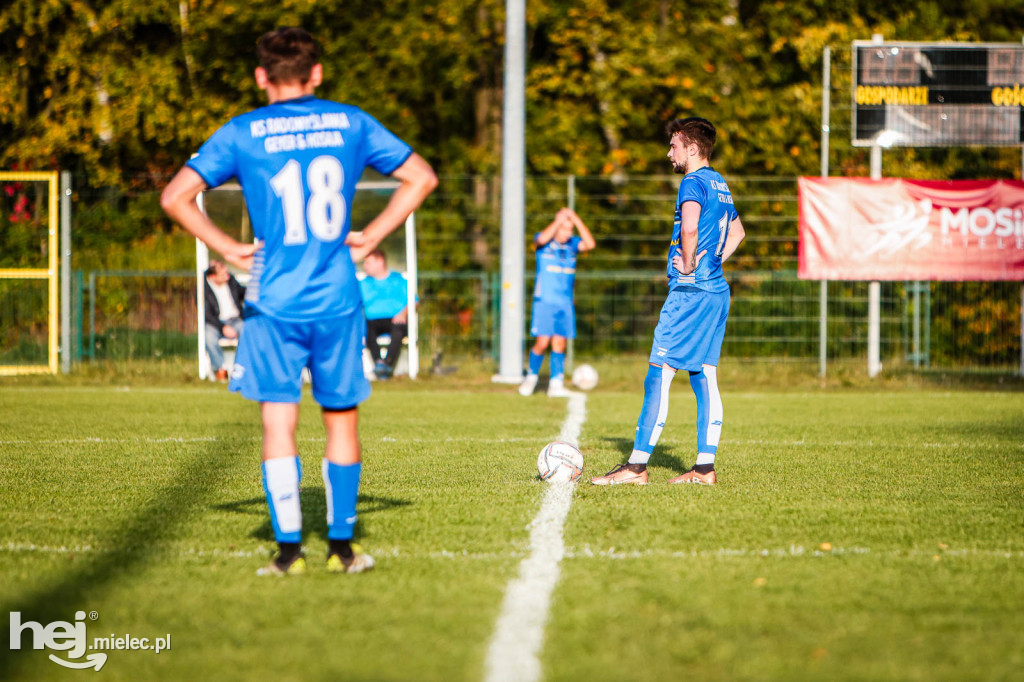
325	211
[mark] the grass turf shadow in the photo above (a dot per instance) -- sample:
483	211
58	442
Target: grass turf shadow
133	544
663	454
314	512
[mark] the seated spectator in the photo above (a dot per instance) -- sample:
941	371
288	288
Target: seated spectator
385	296
224	304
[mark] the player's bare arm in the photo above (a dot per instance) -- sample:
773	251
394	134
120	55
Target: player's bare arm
548	233
587	241
179	201
732	242
418	181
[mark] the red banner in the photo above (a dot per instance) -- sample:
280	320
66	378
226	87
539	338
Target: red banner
895	229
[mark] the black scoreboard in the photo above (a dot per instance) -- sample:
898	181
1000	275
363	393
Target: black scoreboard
938	94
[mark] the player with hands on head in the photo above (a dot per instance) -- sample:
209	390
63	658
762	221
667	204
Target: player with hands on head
298	160
706	232
553	319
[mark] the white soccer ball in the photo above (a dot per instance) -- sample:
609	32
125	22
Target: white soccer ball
584	377
560	462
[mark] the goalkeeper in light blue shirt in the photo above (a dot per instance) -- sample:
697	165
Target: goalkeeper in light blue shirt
553	318
298	161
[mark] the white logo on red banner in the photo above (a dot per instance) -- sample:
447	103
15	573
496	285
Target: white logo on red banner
896	229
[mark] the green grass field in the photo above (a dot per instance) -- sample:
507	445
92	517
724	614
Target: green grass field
855	534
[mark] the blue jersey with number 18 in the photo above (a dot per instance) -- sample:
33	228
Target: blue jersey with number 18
707	187
298	162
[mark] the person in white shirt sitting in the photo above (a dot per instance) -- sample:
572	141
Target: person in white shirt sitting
224	303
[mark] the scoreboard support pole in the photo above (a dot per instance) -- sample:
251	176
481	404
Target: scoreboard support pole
875	288
826	121
875	291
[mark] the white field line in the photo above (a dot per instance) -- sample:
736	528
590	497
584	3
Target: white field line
582	553
256	437
515	647
108	441
207	390
214	388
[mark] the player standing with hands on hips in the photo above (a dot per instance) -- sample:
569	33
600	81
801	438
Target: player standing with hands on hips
707	230
554	310
298	161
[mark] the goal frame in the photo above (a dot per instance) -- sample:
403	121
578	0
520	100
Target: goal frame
411	274
49	273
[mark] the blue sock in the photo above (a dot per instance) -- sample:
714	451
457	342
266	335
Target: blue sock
709	413
699	383
281	478
653	414
341	482
557	365
535	362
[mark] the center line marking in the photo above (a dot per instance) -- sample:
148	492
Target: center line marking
514	652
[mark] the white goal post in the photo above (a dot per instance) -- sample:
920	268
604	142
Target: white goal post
411	275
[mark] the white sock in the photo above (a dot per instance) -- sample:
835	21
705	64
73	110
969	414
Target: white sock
281	483
639	457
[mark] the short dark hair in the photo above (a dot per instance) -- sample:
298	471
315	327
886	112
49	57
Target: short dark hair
288	55
377	252
698	131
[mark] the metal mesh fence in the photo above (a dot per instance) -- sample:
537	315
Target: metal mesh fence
131	315
124	314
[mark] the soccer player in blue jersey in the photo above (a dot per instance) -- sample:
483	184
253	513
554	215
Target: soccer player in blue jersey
691	327
298	160
554	312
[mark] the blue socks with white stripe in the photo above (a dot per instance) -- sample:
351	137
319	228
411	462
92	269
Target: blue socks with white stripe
341	483
281	478
653	414
709	416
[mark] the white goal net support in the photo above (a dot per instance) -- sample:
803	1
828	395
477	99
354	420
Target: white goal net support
227	208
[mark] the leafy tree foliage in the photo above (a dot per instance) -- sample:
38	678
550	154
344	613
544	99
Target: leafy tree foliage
122	92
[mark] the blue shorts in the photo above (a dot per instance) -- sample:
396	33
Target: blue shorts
271	355
690	329
553	319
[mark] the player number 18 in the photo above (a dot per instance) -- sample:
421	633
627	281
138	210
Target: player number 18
325	211
723	234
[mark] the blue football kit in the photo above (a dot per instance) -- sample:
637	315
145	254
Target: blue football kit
298	162
691	326
554	312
